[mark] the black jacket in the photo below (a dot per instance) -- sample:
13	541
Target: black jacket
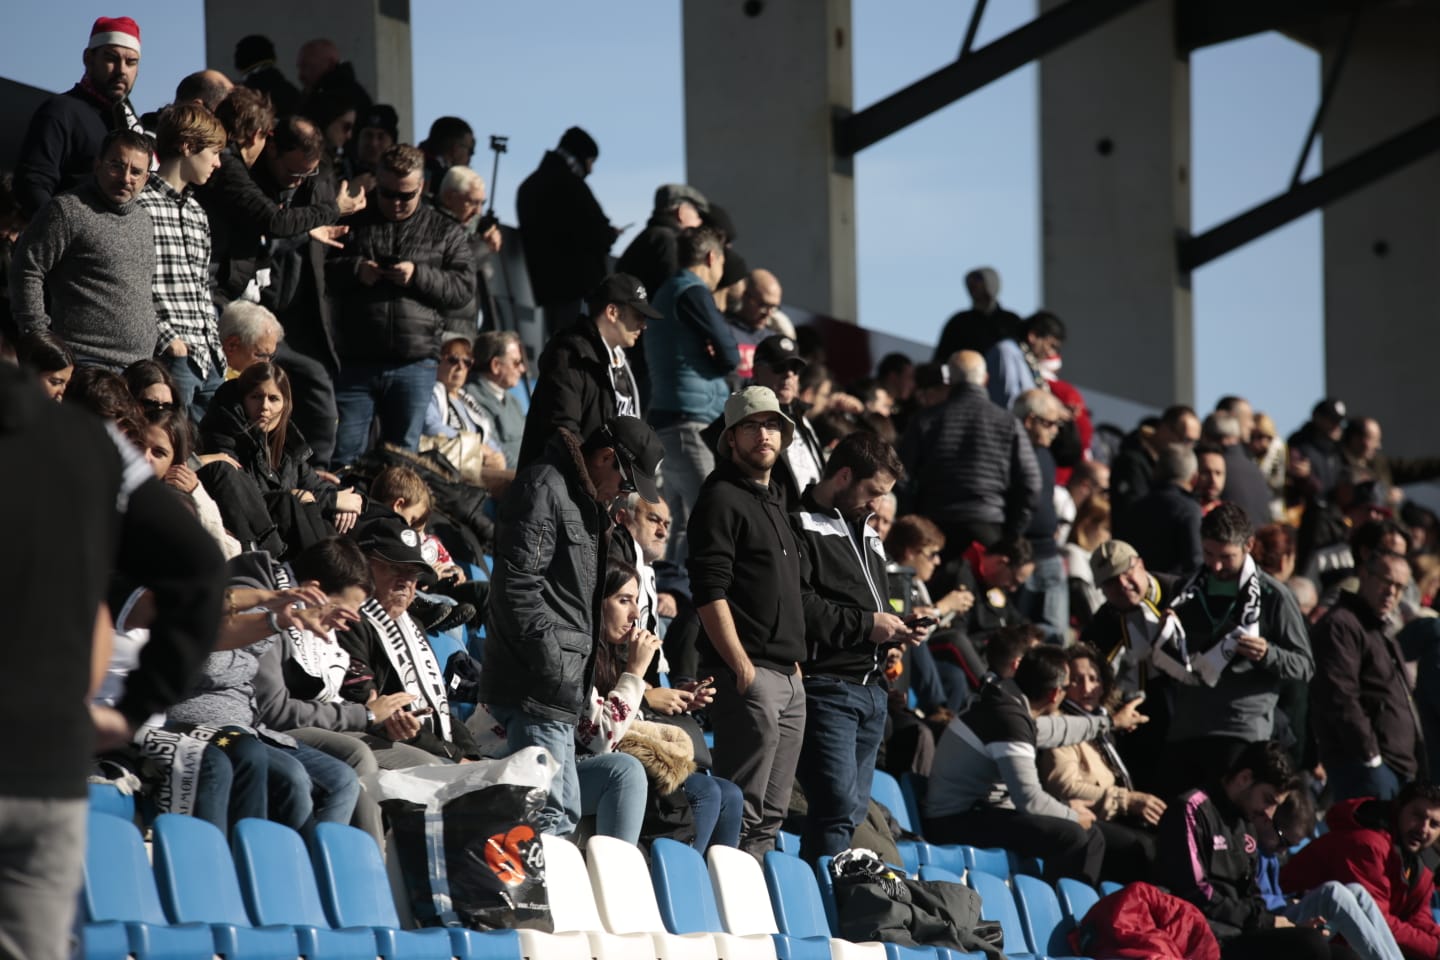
573	388
973	330
1245	485
547	586
971	462
743	550
566	235
654	256
61	144
1164	527
1360	699
1326	461
1207	856
844	584
387	323
1132	473
226	429
1105	631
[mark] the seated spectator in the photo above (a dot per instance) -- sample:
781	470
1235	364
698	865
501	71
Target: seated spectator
166	443
455	424
1379	845
152	386
84	263
1164	524
1361	448
1093	772
250	422
1132	471
1244	483
992	576
1212	475
105	394
984	789
1268	451
499	366
1208	856
750	319
43	354
1274	550
249	334
1347	909
1090	529
1045	597
403	265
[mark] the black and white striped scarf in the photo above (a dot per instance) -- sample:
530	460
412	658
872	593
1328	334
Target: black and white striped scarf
1177	656
413	660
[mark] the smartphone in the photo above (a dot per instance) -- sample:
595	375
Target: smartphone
414	709
1135	697
388	261
915	622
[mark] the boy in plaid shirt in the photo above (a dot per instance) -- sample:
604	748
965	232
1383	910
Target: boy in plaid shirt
188	142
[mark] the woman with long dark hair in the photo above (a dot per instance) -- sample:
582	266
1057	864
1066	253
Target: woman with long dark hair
44	354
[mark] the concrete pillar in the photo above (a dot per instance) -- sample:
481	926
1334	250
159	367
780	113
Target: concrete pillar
374	35
1115	192
762	81
1382	243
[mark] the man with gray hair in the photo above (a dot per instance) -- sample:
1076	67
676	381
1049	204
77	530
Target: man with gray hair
1045	597
461	197
249	334
972	465
985	324
1244	483
499	365
1164	525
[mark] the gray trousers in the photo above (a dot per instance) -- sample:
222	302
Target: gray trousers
758	735
42	853
688	461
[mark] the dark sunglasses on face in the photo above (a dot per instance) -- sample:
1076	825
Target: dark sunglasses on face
453	358
404	196
157	404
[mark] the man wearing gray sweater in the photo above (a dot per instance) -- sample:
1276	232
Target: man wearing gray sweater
92	252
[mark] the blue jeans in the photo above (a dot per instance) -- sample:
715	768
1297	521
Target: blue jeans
397	394
613	789
1351	780
193	389
1045	598
561	813
307	786
1353	914
718	807
844	725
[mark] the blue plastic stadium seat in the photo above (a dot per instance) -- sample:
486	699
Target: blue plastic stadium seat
951	857
1108	887
1030	866
788	843
107	798
356	893
686	897
893	951
885	789
279	887
912	786
1046	926
998	904
119	903
991	860
1076	897
197	884
929	872
444	646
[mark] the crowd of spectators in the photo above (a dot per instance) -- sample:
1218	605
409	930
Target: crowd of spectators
284	316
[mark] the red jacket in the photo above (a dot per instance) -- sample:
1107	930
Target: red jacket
1359	848
1145	922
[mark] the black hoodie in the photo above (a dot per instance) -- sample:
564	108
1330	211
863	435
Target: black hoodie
742	550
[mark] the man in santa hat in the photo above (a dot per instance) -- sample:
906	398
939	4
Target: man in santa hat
64	135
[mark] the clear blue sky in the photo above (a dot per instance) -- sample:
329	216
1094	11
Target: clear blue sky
957	190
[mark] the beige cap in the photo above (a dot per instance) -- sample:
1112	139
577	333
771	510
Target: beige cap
747	403
1110	559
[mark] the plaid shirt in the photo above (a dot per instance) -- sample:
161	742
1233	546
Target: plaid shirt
181	286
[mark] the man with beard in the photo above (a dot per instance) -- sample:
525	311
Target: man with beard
744	564
848	631
66	132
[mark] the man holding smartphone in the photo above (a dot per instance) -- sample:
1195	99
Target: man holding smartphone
848	627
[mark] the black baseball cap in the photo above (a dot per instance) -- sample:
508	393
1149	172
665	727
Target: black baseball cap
779	351
637	450
1329	409
622	288
390	538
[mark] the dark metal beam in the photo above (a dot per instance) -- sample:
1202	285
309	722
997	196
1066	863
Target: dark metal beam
1045	33
973	28
1332	81
1339	181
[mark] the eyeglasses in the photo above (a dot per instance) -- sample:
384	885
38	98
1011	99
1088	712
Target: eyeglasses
264	356
755	426
303	175
121	169
404	196
454	358
1051	424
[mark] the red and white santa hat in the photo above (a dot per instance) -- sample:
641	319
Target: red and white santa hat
119	31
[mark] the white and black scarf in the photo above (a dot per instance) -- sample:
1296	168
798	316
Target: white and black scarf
411	657
318	657
173	758
1175	655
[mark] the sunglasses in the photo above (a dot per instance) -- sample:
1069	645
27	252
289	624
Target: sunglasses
453	358
402	195
157	404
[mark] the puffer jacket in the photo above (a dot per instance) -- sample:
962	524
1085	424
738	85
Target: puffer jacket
970	461
386	323
546	588
688	353
226	429
1144	922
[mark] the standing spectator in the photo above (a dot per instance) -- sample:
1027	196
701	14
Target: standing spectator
1244	483
689	354
461	197
203	88
499	365
1164	525
1361	447
320	70
450	143
91	254
187	144
1089	479
985	324
848	630
584	378
255	60
750	324
745	581
1380	844
403	266
1045	597
654	255
1268	451
1131	474
546	591
70	131
566	236
972	467
1243	636
81	483
1360	706
1211	473
1315	459
1015	363
377	130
